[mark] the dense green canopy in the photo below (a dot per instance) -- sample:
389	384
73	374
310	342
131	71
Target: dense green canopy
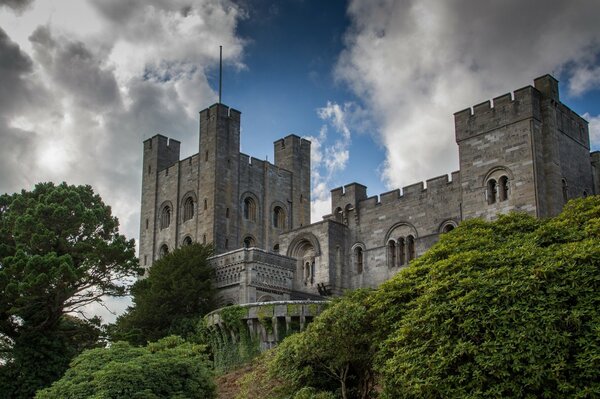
169	368
60	250
503	309
177	293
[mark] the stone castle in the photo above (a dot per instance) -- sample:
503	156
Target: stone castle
523	151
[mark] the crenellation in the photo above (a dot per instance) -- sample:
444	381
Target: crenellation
521	151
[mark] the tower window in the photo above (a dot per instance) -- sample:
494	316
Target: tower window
165	217
278	217
188	209
205	204
149	169
565	191
276	248
491	191
227	213
146	224
249	209
164	250
206	156
248	242
391	253
204	239
187	240
358	254
401	251
503	188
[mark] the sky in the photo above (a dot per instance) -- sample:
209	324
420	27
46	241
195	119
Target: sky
372	83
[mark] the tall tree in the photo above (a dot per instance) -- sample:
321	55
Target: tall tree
60	250
177	292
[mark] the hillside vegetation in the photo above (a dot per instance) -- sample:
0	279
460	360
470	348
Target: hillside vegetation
507	309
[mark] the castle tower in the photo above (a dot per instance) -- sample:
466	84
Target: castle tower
293	153
159	153
218	182
523	152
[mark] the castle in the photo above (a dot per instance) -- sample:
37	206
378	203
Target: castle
523	151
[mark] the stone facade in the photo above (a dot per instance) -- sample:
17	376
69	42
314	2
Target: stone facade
522	151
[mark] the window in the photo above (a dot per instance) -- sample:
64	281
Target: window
248	242
149	169
145	260
204	239
188	209
146	224
491	191
226	243
250	209
278	217
585	194
391	253
164	250
339	215
358	254
410	248
206	156
276	248
187	240
227	213
205	204
448	228
165	217
401	251
503	188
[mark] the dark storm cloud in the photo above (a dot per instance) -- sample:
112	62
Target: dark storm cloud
76	69
14	66
17	5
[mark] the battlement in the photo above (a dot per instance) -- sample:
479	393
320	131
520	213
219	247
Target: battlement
293	141
501	111
166	150
220	110
348	195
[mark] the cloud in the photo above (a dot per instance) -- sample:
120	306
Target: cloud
330	153
16	5
76	103
415	63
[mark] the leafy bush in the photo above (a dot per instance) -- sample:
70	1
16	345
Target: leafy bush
505	309
169	368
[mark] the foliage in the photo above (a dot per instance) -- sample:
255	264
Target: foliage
169	368
335	350
504	309
177	293
231	344
260	383
59	250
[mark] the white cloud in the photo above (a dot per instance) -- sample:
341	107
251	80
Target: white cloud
415	63
78	95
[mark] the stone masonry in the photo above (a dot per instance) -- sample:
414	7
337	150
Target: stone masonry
522	151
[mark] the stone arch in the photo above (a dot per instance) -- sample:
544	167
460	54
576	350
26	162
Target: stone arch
358	257
338	214
347	209
163	250
165	214
188	205
250	206
265	298
497	182
225	301
249	241
305	249
279	215
447	226
400	229
187	240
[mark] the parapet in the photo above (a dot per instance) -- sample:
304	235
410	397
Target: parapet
501	111
548	86
220	110
351	194
167	150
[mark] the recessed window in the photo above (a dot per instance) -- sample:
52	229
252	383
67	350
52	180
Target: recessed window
227	213
401	251
188	209
165	217
278	217
205	204
391	253
492	188
358	255
206	156
276	248
410	248
187	240
503	188
565	191
204	239
146	224
250	209
164	250
149	169
249	242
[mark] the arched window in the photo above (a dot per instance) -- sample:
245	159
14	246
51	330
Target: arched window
250	209
565	191
358	254
585	194
248	242
205	204
204	239
188	209
503	188
278	217
227	213
491	191
347	211
448	228
276	248
187	240
165	217
401	251
339	215
163	250
391	253
410	248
